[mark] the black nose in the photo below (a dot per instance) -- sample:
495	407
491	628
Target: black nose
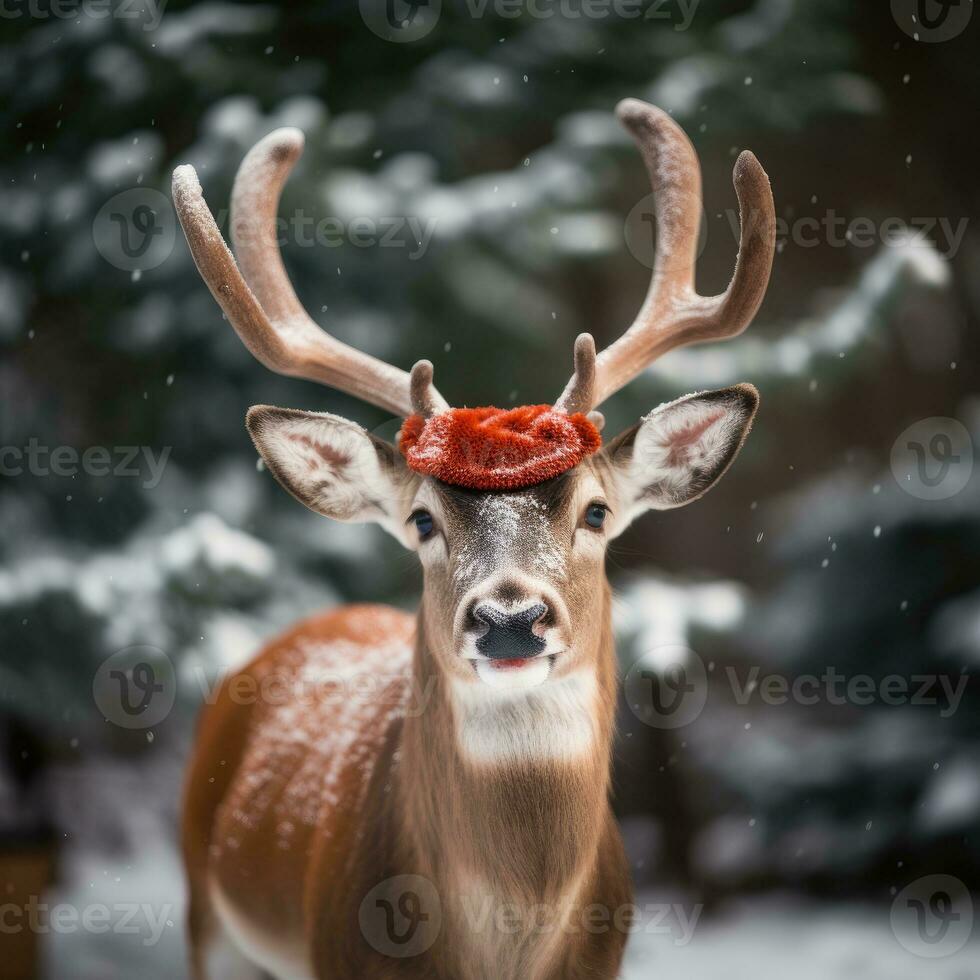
508	635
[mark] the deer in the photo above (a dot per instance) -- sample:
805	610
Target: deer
384	795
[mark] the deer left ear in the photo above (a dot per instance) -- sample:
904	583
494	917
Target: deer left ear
334	467
679	451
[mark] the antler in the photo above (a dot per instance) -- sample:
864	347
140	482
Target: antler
263	307
673	314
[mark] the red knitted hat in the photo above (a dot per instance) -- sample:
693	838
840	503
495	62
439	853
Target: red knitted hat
497	448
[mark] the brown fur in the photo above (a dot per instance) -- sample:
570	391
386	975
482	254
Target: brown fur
287	829
297	809
430	813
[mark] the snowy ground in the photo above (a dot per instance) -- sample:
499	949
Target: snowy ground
769	939
761	939
117	808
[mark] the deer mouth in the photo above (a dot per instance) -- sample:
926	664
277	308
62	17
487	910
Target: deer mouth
515	672
518	663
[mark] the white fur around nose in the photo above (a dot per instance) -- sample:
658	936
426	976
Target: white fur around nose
522	679
536	590
554	720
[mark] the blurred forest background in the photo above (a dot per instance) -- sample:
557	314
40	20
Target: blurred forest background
495	136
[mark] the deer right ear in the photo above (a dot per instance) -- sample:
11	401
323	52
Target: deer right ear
333	466
679	451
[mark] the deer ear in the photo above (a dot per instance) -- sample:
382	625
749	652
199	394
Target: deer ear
333	466
680	450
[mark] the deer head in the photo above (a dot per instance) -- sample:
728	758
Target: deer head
515	593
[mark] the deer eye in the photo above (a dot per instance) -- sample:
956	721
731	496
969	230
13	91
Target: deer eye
595	515
423	523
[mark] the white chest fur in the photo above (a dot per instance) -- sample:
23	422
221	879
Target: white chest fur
554	720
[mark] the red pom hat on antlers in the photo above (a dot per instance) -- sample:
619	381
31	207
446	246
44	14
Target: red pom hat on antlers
486	448
497	448
501	448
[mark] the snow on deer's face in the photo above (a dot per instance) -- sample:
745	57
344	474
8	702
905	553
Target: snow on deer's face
513	579
515	590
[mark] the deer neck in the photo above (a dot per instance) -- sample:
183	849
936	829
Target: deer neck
506	797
